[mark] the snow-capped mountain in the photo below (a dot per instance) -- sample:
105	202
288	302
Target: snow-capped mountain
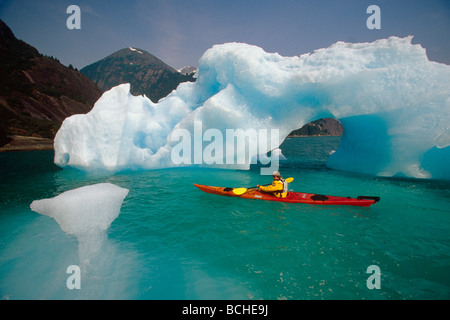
146	73
187	70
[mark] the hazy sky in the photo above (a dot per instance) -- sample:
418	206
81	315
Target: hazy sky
179	31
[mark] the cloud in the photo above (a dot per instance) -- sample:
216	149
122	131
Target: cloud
89	10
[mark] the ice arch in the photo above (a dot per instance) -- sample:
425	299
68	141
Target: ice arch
393	102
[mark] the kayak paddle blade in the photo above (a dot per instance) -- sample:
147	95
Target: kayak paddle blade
239	191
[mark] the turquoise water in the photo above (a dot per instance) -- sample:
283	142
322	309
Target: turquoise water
172	241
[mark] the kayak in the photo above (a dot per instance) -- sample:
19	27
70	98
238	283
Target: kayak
293	197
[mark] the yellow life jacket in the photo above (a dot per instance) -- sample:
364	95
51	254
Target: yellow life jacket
279	188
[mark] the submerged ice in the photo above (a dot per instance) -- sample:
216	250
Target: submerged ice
393	102
86	212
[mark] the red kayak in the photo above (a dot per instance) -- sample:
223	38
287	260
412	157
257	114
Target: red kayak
293	197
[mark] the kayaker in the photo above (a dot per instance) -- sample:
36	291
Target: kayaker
278	188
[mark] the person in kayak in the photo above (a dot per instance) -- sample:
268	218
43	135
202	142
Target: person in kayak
278	188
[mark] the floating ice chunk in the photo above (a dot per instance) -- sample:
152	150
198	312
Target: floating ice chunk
393	102
85	212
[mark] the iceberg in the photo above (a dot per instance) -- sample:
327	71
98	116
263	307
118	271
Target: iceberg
86	212
393	102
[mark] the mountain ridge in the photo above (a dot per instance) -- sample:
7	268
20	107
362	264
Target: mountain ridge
320	127
146	73
186	70
37	92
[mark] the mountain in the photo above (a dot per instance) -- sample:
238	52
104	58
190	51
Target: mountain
37	92
321	127
187	70
146	73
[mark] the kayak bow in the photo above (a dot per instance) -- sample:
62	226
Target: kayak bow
293	197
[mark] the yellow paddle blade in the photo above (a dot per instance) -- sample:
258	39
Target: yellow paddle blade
289	180
239	191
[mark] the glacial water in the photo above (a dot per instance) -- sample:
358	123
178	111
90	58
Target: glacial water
172	241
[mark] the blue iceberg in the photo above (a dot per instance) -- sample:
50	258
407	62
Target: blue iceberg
393	102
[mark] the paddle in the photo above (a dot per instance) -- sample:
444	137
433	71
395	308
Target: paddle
241	191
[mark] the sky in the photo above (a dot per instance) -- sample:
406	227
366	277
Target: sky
180	31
